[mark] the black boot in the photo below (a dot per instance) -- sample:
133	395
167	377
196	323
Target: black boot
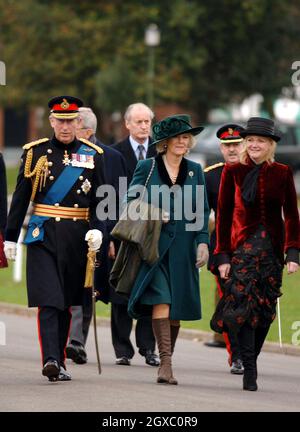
249	380
246	340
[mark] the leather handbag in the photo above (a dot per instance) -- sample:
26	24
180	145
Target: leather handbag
126	227
131	233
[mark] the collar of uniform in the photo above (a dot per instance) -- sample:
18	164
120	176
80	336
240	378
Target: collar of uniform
135	144
61	145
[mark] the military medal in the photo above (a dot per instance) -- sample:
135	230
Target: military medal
36	232
82	161
66	161
86	186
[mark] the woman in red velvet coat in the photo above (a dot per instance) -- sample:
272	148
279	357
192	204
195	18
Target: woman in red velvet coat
252	238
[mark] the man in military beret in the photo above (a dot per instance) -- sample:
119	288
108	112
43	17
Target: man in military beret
230	147
60	176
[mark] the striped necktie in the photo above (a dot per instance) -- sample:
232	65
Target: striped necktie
141	152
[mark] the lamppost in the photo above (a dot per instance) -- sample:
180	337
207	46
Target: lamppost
152	39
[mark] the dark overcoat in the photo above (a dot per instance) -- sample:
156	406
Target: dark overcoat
3	209
176	243
115	167
124	147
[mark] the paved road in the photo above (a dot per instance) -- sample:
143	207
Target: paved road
205	383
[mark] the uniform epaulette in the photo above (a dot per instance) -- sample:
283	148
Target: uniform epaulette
34	143
211	167
94	146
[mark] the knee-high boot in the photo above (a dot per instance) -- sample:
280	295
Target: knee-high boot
162	333
174	335
247	347
260	336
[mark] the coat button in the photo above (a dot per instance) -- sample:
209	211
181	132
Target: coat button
76	205
49	151
74	219
51	178
57	219
56	204
50	163
78	191
171	235
80	177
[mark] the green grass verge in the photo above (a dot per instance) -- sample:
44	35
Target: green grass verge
11	175
12	292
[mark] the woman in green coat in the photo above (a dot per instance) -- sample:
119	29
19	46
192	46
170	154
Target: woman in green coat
169	289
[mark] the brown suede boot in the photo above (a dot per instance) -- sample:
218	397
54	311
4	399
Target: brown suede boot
162	333
174	334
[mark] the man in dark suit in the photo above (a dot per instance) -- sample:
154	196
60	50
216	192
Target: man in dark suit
115	167
230	147
3	209
136	146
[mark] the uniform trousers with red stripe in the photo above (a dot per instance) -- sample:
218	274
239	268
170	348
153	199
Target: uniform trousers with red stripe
230	338
54	328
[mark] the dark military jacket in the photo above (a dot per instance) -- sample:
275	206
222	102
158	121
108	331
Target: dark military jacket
213	179
56	266
3	195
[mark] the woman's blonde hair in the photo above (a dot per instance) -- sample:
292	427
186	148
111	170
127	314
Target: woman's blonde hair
269	157
162	146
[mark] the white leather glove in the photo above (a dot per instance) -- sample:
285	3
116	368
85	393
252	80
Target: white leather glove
165	216
10	250
94	239
202	255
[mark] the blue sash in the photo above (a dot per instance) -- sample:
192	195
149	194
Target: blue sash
56	193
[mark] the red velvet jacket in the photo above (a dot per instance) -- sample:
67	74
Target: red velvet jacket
275	192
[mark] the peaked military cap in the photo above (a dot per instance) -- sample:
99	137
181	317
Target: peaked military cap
65	107
230	133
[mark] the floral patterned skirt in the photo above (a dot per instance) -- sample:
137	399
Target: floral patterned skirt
251	292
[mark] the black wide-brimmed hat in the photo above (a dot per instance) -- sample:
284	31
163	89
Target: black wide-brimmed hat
172	126
260	126
230	133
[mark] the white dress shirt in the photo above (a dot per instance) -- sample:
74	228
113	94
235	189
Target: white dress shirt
135	147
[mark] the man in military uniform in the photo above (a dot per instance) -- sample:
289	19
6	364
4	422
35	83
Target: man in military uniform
230	146
60	176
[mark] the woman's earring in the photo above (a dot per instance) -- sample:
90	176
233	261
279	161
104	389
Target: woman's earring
165	146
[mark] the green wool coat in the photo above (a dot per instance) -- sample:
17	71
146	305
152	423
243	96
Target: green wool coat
180	244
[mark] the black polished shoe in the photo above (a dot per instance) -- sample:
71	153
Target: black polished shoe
124	361
76	352
51	370
249	380
151	358
215	344
237	367
64	375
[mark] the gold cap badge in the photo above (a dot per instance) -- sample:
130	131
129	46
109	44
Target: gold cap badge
65	104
